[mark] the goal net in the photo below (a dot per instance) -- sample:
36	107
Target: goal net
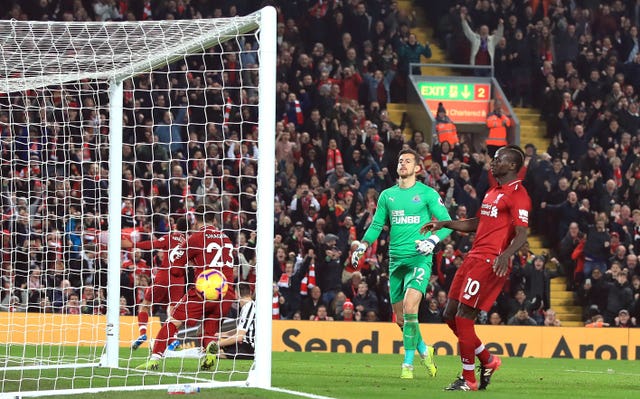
112	134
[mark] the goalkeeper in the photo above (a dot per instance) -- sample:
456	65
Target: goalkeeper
405	207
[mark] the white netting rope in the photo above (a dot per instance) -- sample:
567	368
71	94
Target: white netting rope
55	124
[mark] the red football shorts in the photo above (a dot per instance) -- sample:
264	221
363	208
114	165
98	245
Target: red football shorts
165	290
192	309
475	284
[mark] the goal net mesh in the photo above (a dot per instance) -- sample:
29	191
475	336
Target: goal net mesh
189	136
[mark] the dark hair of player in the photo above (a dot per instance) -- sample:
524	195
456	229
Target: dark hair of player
204	213
516	154
244	289
410	151
182	224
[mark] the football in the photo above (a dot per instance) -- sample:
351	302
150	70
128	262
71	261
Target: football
211	285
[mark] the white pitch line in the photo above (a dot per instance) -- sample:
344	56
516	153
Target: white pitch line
603	372
303	394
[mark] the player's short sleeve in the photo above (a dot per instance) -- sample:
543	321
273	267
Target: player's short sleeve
160	243
520	207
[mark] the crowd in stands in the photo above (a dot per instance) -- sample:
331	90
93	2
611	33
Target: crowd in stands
578	62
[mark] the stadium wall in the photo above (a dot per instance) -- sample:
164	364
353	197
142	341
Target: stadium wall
511	341
74	330
316	336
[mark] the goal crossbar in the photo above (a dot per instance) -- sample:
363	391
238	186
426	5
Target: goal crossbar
104	51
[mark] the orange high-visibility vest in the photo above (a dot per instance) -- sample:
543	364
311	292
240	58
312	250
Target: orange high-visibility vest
497	132
447	132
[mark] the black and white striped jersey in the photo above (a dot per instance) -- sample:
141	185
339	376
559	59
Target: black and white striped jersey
247	322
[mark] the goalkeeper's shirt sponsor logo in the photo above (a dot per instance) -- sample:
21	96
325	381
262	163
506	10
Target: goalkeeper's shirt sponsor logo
398	217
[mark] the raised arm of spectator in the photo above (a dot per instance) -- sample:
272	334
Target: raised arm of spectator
499	32
471	35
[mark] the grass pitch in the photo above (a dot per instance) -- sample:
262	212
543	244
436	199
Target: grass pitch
370	376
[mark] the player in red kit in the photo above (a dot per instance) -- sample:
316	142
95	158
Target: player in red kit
501	229
206	248
170	280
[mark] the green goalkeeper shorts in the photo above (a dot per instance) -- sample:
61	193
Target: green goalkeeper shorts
413	272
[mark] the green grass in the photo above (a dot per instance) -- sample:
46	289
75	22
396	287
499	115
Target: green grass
372	376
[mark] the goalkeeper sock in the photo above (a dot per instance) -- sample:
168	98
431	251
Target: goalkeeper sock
421	346
160	343
143	319
409	336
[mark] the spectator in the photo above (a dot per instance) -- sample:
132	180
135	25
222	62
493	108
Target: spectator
482	44
365	300
593	292
596	321
566	247
497	124
495	319
536	281
348	313
551	319
410	52
433	313
518	302
521	318
624	320
620	296
321	314
445	129
73	305
596	248
311	304
520	66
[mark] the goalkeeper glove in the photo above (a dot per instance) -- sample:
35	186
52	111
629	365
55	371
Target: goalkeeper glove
425	247
355	257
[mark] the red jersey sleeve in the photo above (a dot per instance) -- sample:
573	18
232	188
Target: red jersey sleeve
520	206
160	243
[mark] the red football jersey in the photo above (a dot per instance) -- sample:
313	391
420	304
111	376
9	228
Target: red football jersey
210	248
503	208
175	258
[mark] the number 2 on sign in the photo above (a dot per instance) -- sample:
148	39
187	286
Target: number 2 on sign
472	288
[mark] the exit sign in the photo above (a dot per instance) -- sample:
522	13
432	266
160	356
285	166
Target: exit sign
455	91
464	102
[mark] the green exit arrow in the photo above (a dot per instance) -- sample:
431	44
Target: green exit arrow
465	92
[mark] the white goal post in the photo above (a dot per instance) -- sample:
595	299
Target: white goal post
174	112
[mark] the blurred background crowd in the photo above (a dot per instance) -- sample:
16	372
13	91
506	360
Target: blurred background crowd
340	63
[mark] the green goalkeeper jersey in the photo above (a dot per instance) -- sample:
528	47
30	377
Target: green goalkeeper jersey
406	210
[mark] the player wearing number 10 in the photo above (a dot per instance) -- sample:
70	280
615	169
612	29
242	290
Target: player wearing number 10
501	229
405	207
206	248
